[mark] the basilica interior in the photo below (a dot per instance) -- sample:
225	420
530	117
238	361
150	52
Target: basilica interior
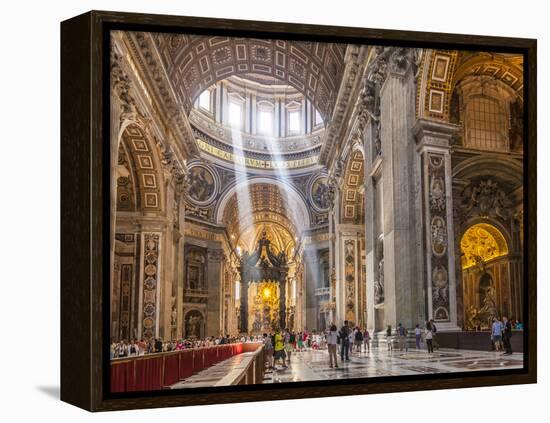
264	183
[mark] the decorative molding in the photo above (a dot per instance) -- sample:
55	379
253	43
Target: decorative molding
151	274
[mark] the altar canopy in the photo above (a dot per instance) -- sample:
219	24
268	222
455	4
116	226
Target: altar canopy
265	272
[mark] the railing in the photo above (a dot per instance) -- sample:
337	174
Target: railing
158	371
322	291
249	371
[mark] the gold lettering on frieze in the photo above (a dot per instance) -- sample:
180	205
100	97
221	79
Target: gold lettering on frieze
256	163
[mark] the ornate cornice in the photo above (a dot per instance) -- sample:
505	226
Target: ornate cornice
145	54
356	61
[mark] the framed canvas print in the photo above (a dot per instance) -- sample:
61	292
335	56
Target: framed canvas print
256	211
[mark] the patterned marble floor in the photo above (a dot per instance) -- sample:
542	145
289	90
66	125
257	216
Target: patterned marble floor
314	365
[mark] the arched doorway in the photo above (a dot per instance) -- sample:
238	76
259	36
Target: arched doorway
485	275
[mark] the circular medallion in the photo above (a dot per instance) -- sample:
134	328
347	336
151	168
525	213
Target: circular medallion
202	184
150	270
148	323
319	193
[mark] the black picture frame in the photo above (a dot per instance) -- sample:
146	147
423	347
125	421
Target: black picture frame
85	209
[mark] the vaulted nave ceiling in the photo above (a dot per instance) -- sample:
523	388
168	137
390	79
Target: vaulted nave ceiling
257	206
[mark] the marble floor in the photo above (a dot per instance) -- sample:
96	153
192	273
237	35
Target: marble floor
314	364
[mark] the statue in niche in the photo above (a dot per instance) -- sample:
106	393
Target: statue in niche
193	327
377	143
174	313
379	284
472	316
489	308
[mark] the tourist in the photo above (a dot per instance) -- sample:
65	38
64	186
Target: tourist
429	337
305	339
268	348
133	350
352	339
389	339
315	341
288	345
279	349
402	337
496	334
434	333
112	350
292	340
506	335
332	340
417	336
358	339
366	340
518	325
300	341
344	342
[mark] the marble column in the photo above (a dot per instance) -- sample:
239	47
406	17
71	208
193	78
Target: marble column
311	274
243	325
400	212
149	283
433	142
216	259
282	301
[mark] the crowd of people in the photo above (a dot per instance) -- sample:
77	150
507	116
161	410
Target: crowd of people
343	341
135	347
280	345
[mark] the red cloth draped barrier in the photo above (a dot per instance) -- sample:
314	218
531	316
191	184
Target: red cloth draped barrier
186	364
157	371
171	368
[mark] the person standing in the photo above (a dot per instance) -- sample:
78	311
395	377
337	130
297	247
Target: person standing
402	337
332	340
429	337
358	339
279	349
268	346
366	340
496	333
417	336
434	335
288	346
506	335
344	342
389	339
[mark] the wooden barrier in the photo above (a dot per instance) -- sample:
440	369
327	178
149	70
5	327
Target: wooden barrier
157	371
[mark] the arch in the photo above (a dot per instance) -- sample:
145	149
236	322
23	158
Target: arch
499	167
146	168
441	71
352	208
486	277
301	217
480	243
